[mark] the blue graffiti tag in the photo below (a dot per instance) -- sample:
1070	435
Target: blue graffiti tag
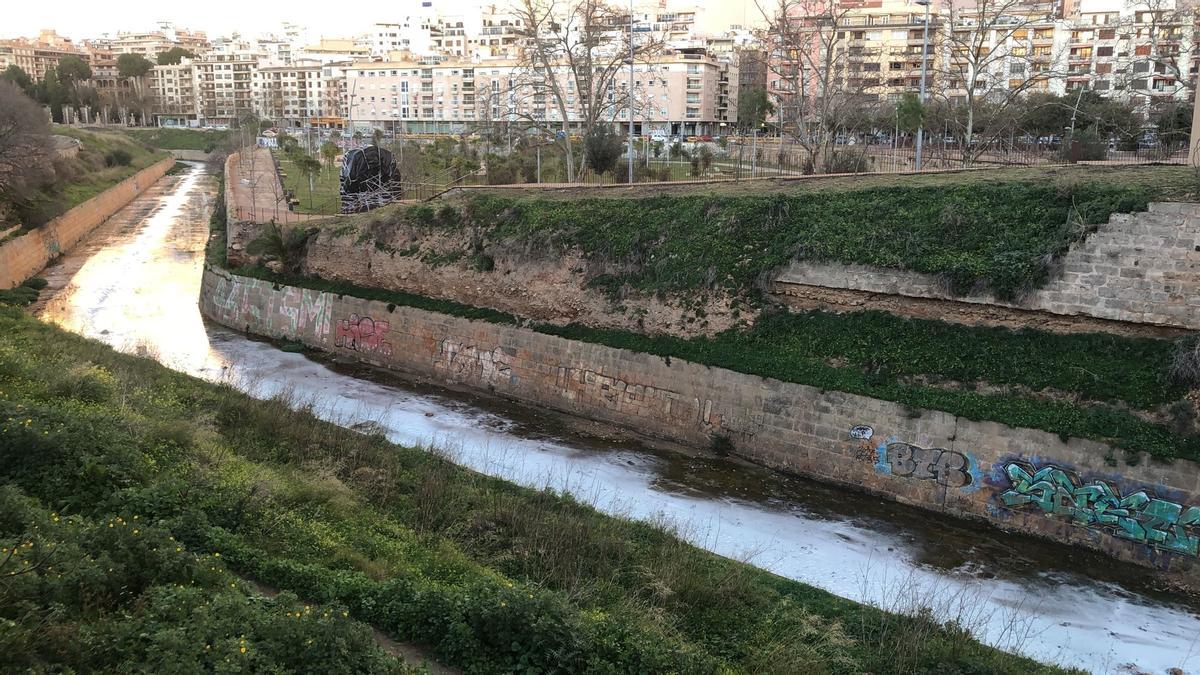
1137	517
949	468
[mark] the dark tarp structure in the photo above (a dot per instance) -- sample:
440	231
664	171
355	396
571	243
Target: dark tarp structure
370	179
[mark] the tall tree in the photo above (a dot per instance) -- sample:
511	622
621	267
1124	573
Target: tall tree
991	60
24	135
17	75
174	56
572	56
73	72
822	86
51	93
133	68
754	107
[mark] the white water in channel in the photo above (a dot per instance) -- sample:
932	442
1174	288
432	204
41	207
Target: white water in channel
133	284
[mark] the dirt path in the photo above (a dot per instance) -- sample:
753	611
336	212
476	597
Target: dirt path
257	192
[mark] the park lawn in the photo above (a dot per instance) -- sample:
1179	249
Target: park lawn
179	487
325	196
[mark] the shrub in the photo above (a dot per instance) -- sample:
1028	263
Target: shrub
118	157
1185	361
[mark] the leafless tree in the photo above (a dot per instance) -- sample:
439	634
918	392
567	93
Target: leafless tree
24	135
991	55
1154	33
572	55
825	86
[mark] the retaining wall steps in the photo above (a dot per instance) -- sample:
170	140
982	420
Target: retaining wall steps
1140	268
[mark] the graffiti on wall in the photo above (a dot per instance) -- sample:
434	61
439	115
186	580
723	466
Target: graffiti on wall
363	334
1158	523
469	361
304	309
948	468
862	432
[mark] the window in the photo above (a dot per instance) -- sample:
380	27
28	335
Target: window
1016	68
1142	50
1104	51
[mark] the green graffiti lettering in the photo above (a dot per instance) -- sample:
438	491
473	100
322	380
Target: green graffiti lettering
1158	523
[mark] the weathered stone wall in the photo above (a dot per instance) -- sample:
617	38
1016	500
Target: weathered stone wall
25	256
1141	268
1020	479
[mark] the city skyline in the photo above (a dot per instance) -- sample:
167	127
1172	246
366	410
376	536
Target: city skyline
79	20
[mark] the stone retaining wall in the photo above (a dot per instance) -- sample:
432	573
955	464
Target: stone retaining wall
1141	268
26	255
1075	491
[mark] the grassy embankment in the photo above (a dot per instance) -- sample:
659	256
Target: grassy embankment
995	230
136	501
167	138
105	159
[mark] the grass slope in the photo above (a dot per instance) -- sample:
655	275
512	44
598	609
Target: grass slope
1001	236
167	138
134	494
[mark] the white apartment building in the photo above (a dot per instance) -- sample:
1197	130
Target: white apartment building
300	94
682	93
224	87
174	89
1134	52
152	43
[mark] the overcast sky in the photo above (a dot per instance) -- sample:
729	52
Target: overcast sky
78	19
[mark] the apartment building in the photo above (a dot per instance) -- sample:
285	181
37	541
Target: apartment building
1025	54
1132	52
294	95
174	89
684	92
37	55
224	87
152	43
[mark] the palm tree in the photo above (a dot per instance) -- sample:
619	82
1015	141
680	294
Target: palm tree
285	245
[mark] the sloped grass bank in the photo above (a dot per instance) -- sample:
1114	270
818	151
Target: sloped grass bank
104	159
1000	232
138	489
168	138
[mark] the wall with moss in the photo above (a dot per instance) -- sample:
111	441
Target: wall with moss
1140	268
26	255
1067	489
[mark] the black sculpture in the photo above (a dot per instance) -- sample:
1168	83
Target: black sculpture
370	179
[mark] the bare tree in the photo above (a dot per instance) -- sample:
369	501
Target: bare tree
992	55
571	59
825	85
24	135
1154	32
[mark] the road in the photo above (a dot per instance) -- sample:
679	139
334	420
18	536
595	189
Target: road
134	282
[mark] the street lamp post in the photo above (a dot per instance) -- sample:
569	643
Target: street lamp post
630	101
924	67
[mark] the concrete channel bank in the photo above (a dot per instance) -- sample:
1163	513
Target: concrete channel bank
1073	491
26	255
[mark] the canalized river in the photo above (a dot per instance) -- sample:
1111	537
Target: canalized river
134	284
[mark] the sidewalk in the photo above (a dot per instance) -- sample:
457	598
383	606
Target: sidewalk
257	193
